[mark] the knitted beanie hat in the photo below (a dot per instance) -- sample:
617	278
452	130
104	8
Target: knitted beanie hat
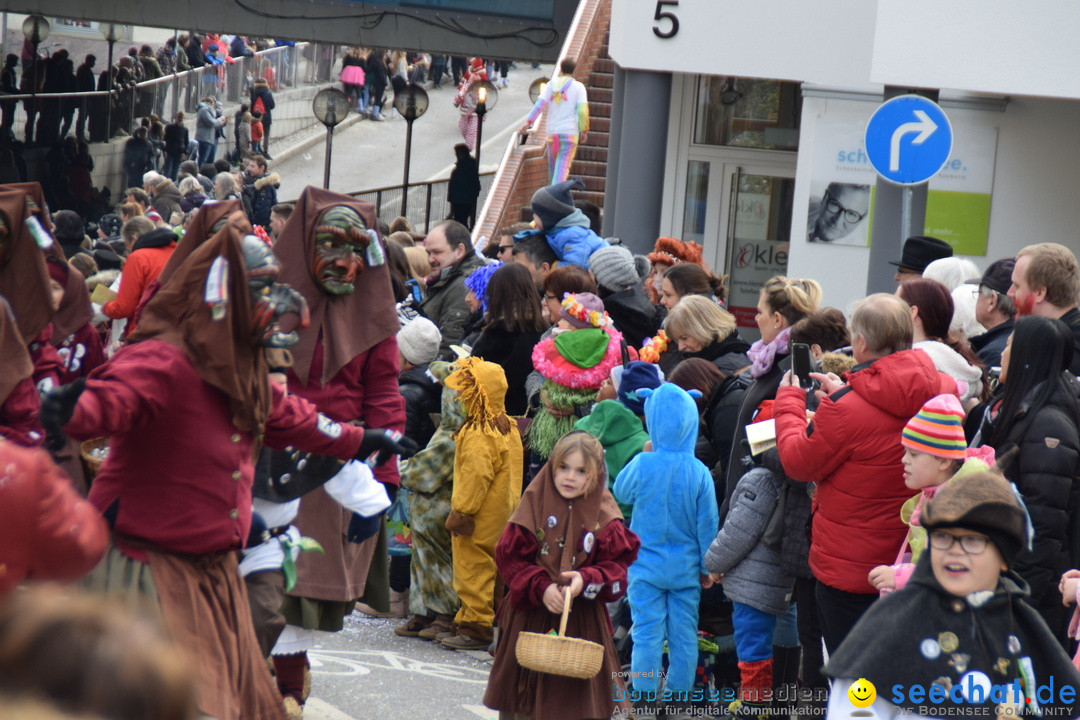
984	502
554	202
614	268
477	281
418	340
635	376
671	251
584	310
937	429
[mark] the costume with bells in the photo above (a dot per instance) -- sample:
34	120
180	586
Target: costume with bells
185	406
487	487
346	362
548	535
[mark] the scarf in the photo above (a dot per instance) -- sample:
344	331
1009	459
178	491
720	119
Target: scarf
348	325
222	350
762	355
565	530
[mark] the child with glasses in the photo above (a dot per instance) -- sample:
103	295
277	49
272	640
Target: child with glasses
935	451
960	639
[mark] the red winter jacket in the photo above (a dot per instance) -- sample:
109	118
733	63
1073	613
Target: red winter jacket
852	450
47	531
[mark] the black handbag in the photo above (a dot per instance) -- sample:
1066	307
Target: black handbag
285	475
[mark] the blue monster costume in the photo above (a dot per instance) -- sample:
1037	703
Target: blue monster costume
676	517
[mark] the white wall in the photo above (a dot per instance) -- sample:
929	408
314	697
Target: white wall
1036	195
995	46
820	41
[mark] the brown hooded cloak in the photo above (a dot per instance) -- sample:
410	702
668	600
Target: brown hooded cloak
347	324
222	351
24	280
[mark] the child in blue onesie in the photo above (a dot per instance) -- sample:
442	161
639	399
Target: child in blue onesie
675	516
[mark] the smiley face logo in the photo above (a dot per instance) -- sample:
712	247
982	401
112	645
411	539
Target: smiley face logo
862	693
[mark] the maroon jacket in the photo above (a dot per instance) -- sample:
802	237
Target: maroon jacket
47	531
80	353
853	452
19	415
178	474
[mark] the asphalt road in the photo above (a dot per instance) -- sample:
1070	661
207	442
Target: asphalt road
369	155
366	672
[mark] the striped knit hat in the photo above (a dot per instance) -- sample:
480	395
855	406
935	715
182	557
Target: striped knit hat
937	429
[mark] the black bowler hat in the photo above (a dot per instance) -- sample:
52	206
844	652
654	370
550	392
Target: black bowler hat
998	277
920	251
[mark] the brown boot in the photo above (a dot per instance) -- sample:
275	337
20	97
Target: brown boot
470	636
440	626
413	626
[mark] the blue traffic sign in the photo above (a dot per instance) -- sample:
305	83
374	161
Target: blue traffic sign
908	139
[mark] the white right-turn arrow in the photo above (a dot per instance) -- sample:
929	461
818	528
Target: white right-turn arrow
924	126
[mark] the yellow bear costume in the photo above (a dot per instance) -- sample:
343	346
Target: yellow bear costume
487	488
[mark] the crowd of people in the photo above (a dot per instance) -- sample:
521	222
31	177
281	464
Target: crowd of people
476	437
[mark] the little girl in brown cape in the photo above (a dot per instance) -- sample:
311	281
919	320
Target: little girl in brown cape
567	531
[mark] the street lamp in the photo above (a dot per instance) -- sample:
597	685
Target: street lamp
330	106
411	103
484	96
111	32
35	29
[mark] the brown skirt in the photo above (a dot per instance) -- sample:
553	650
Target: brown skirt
514	689
206	611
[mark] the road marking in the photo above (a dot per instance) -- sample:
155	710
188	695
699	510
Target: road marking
364	662
316	709
482	712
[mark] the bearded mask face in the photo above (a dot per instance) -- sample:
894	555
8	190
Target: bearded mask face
341	239
271	300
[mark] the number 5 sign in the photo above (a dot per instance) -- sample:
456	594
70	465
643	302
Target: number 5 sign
662	15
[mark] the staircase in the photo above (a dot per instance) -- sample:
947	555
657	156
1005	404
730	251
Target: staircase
523	170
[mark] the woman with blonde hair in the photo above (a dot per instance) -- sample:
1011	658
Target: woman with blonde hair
418	264
783	302
700	328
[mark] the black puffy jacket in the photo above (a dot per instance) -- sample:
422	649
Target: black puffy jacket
1046	471
422	397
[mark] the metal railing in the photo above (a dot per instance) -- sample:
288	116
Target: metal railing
46	117
428	201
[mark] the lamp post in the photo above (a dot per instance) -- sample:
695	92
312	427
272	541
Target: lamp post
35	29
411	103
330	106
111	33
484	96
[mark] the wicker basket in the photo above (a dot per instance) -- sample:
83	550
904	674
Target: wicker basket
558	654
93	464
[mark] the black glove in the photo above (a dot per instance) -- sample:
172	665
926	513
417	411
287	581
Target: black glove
386	443
57	407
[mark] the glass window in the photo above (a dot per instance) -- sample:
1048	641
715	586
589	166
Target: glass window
697	193
740	112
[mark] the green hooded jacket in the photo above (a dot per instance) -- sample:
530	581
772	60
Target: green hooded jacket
621	433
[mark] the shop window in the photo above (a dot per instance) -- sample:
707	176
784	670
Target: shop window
740	112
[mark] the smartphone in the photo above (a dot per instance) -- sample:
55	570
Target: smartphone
802	364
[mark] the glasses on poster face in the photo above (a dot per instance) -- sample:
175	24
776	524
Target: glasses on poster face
970	544
836	208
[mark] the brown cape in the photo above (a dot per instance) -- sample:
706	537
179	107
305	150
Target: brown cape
75	308
589	513
223	352
348	324
15	363
24	281
198	232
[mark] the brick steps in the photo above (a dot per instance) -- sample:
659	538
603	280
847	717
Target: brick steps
525	168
